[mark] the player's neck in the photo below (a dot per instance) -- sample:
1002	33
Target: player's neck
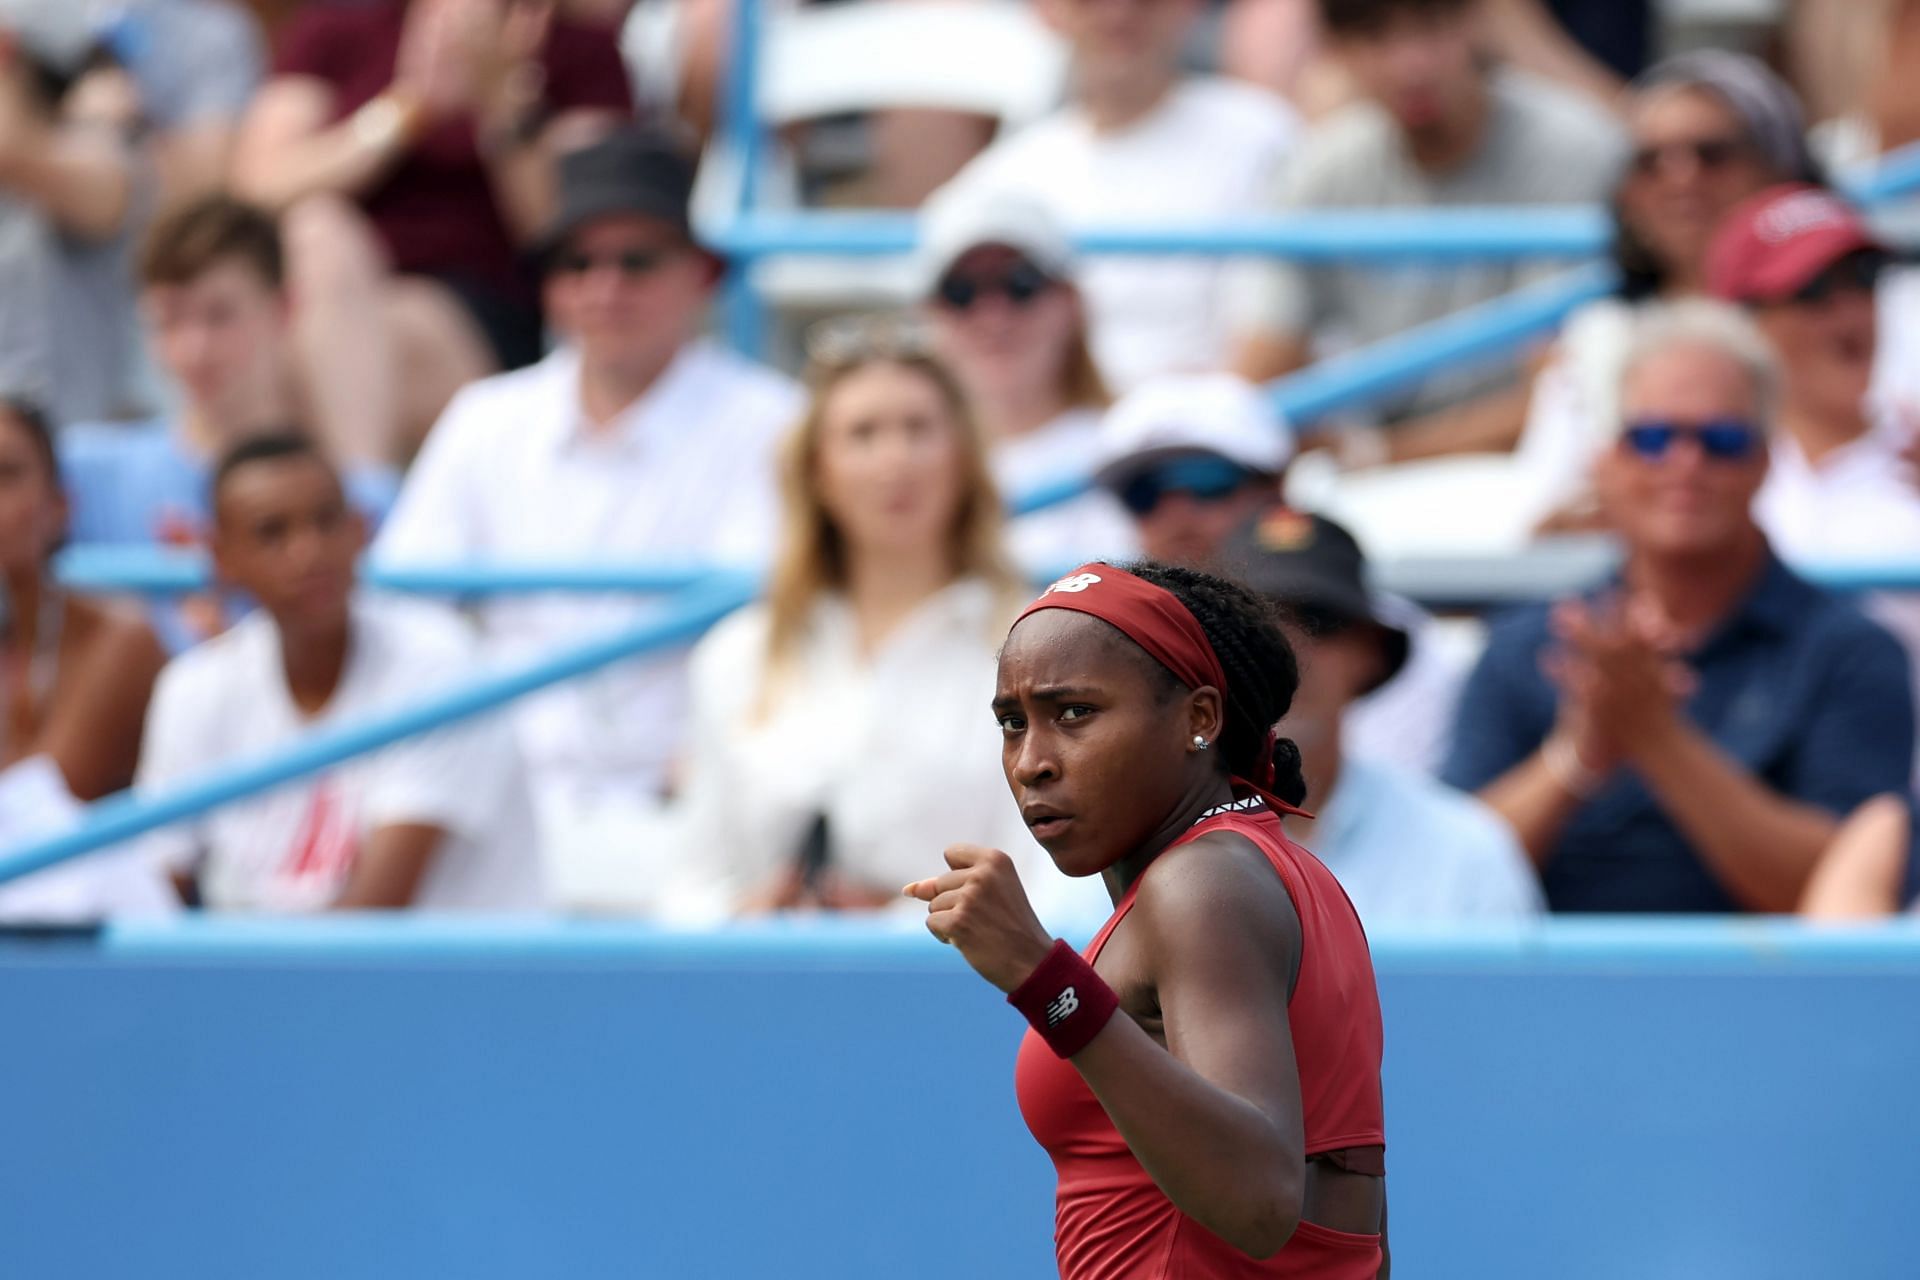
1205	792
313	656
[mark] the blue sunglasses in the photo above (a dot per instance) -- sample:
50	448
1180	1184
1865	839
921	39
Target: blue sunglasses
1723	440
1205	478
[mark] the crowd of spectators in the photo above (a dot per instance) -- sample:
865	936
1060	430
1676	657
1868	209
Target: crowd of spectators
417	280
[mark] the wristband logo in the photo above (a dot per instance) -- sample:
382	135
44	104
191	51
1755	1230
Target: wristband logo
1064	1005
1071	586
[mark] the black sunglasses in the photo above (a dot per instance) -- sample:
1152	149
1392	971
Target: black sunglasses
1709	154
1205	478
1723	440
1019	284
632	264
1858	272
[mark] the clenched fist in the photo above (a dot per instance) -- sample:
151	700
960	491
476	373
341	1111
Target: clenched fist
980	907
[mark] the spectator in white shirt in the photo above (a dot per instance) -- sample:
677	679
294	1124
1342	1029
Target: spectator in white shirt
1437	127
841	734
1009	319
1839	486
1142	144
1405	847
438	821
635	441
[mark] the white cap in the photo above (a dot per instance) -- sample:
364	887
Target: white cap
1188	413
59	33
960	218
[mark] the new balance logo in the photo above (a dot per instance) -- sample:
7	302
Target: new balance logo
1078	582
1063	1006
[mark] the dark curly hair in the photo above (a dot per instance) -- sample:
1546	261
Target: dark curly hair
1262	672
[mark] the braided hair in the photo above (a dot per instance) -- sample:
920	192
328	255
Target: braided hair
1262	672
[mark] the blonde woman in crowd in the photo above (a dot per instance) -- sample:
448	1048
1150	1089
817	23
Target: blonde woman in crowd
840	734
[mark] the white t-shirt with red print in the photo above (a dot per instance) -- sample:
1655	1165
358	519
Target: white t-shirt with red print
225	703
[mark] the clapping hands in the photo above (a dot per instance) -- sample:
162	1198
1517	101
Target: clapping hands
1622	682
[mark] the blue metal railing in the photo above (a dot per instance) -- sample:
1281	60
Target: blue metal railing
124	816
165	571
1443	237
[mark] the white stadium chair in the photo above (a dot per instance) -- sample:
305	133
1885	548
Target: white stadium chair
992	58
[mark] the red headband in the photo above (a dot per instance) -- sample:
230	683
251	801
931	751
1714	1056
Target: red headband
1153	618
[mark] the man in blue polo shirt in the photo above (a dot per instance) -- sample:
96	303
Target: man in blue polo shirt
1687	738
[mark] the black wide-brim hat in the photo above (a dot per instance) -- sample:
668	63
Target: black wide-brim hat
1306	562
632	172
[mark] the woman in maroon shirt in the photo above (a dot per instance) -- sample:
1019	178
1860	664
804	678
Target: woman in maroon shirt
1229	1125
410	147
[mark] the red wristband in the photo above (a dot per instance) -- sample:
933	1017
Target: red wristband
1065	1000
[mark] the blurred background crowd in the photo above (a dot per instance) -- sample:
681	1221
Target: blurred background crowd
432	282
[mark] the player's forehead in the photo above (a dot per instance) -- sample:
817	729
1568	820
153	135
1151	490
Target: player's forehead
1060	648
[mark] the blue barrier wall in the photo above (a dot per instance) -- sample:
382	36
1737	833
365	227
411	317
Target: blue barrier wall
366	1098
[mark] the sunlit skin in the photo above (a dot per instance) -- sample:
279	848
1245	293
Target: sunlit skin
1098	749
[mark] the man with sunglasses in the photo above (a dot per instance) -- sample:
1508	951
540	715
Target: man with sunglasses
635	440
1687	737
1840	486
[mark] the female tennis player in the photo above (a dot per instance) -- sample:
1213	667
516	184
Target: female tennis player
1230	1124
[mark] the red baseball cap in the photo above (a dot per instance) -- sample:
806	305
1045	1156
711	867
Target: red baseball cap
1772	244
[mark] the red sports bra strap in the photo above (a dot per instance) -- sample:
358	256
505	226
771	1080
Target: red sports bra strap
1245	822
1120	910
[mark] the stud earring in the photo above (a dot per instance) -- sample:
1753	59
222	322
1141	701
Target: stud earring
1200	743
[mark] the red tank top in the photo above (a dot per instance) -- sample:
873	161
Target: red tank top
1110	1221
